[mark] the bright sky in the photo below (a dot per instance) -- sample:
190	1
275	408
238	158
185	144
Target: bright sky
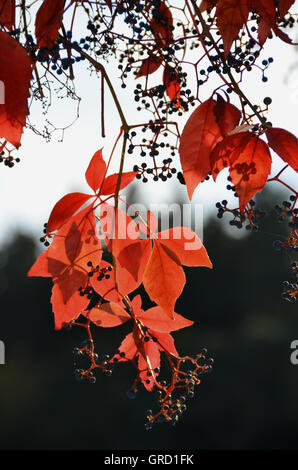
47	171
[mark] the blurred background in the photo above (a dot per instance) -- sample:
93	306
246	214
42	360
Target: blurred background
249	401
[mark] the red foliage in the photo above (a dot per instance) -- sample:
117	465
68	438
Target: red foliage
48	22
206	126
14	63
7	13
284	144
149	338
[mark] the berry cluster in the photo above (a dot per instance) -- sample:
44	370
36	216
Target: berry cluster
290	291
101	273
172	395
86	351
45	237
7	159
152	147
250	216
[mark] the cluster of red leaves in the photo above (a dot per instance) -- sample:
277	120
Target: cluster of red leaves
211	141
74	262
13	112
163	35
232	15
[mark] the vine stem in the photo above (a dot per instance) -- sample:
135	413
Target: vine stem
100	68
207	33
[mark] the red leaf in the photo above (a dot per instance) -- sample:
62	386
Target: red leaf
166	343
227	115
230	146
170	79
284	144
161	25
65	208
163	267
283	36
108	315
117	228
149	65
146	353
74	245
207	5
7	13
151	226
231	16
200	134
110	183
249	160
64	313
15	76
40	268
121	235
266	9
128	347
284	6
149	360
96	171
134	257
48	22
250	170
186	245
156	319
263	31
105	286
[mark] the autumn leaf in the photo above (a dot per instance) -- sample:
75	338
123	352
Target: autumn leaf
227	115
186	245
64	313
108	315
110	183
48	22
14	110
284	6
149	65
203	130
95	177
207	5
149	338
95	172
75	245
65	208
171	249
231	16
161	25
121	235
264	31
249	160
171	81
230	146
7	13
163	266
156	319
266	9
284	144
